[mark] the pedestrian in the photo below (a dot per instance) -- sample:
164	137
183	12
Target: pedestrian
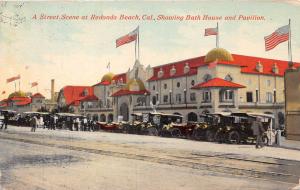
5	121
258	131
33	123
55	120
85	124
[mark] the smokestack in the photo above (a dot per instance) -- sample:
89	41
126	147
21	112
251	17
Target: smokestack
52	90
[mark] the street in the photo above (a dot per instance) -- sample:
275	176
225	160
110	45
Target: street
63	159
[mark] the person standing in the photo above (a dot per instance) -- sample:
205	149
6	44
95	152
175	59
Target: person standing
33	123
258	131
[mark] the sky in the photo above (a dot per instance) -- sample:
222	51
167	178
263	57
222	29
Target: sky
76	52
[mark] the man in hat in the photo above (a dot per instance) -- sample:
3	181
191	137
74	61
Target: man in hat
258	131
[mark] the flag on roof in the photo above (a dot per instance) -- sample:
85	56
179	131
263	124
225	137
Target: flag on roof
132	36
277	37
13	79
211	31
33	84
3	92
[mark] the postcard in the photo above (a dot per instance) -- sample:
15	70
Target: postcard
149	95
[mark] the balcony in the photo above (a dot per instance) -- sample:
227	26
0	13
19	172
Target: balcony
273	105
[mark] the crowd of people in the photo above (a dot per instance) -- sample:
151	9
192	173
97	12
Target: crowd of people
48	121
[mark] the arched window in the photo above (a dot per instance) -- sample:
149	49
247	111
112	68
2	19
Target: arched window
165	86
192	116
228	77
110	117
178	84
102	118
153	100
207	77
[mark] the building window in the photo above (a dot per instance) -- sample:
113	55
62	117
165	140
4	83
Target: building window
206	96
269	82
207	77
178	84
192	82
228	78
153	87
178	98
249	96
269	98
166	97
193	97
226	95
165	86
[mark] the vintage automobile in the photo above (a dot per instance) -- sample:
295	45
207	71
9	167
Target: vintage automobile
67	121
10	114
238	129
110	126
136	125
203	129
156	123
210	126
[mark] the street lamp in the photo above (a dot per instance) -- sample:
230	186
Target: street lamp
170	93
184	91
256	94
274	90
145	94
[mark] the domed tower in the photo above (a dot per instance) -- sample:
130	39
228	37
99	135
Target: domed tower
135	85
107	77
17	94
218	54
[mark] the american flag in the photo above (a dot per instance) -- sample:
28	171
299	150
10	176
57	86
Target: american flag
211	31
13	79
33	84
277	37
132	36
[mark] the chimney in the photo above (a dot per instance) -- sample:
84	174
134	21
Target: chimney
52	90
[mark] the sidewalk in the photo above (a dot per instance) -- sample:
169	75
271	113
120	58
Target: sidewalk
290	144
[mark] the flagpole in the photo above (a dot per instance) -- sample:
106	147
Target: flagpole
135	44
290	46
217	37
138	42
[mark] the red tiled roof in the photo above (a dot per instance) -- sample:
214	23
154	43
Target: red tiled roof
217	82
123	92
89	98
75	93
119	77
37	95
247	64
24	101
179	66
116	78
4	104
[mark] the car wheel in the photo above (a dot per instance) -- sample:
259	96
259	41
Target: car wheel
234	137
210	136
175	132
265	140
152	131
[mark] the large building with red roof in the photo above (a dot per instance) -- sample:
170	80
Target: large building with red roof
22	102
216	82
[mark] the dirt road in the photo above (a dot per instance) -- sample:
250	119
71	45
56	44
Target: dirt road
99	160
